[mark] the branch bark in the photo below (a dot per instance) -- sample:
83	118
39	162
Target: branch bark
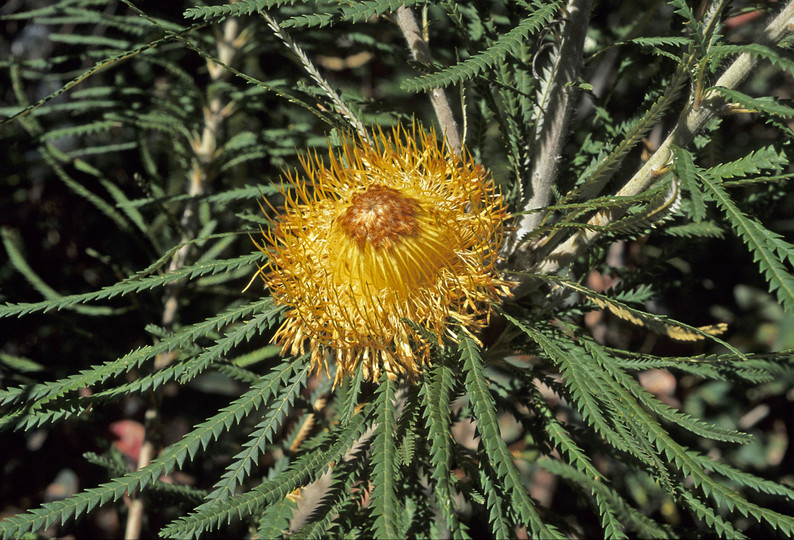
421	53
687	127
552	126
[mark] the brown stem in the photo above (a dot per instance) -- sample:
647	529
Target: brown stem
199	178
421	53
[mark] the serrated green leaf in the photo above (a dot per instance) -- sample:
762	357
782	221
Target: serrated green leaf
385	508
761	241
490	57
495	447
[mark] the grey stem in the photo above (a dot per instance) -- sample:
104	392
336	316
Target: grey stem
683	133
554	112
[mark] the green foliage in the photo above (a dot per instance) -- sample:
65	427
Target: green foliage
243	7
494	445
438	392
385	508
507	43
138	139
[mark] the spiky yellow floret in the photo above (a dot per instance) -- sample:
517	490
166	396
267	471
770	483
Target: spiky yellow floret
387	244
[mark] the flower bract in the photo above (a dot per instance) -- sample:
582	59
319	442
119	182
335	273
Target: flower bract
382	251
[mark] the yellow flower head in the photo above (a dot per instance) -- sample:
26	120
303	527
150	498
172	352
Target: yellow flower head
388	232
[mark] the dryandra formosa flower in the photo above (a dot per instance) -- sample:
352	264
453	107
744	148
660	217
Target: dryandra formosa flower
376	253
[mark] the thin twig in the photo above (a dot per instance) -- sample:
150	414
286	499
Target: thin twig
314	73
421	53
688	126
200	176
145	455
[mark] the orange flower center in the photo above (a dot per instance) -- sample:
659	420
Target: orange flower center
380	216
388	242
